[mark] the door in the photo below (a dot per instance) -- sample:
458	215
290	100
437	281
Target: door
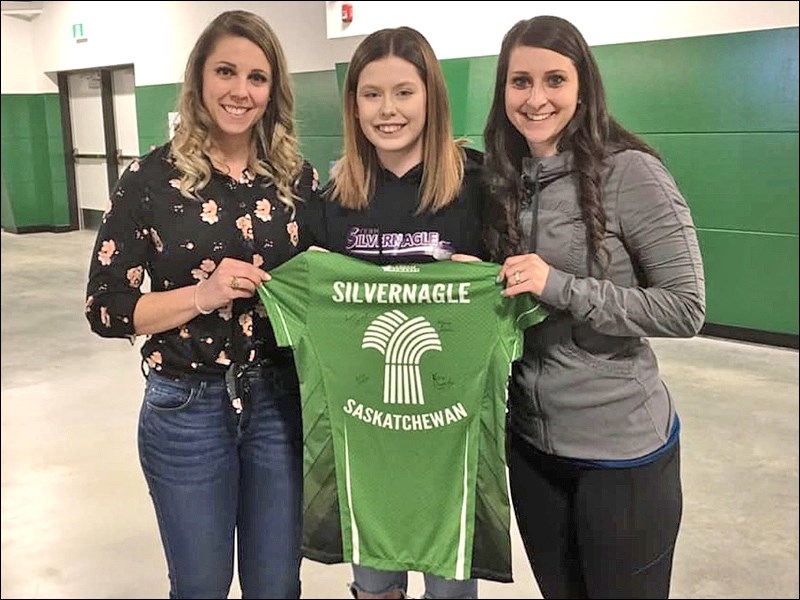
100	137
124	101
89	146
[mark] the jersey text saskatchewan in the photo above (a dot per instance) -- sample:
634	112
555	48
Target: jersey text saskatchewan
429	420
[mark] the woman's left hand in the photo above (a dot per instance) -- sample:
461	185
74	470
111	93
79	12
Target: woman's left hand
524	273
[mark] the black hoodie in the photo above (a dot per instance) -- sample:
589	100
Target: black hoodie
389	230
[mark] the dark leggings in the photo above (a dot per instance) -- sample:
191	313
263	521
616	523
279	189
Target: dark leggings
596	533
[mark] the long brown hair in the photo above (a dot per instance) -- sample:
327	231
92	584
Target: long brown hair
592	135
273	146
443	159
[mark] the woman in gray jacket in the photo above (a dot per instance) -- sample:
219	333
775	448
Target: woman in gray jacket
587	218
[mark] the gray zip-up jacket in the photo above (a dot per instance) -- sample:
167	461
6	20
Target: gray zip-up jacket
588	385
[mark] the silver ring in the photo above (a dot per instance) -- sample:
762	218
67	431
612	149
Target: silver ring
235	282
516	277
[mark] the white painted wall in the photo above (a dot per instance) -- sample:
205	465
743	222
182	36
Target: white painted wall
16	36
157	36
458	29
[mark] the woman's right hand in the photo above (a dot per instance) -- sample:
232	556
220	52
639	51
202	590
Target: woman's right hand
231	279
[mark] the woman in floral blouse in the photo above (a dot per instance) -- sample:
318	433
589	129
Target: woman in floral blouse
206	216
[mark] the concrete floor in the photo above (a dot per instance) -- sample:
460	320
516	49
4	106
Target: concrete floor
77	521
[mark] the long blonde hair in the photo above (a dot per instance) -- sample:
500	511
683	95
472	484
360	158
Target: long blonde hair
273	147
443	159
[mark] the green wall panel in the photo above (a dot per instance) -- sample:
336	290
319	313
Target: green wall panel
751	279
32	162
18	159
319	118
153	102
479	95
52	116
317	104
321	151
456	76
15	116
37	128
60	203
6	210
30	212
341	71
732	82
55	158
744	181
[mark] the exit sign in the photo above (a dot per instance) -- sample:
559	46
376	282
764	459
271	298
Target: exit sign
78	33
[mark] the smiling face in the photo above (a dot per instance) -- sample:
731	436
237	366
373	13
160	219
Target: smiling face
541	96
237	79
391	103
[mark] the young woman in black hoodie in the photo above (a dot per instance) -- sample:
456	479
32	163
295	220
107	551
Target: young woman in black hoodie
404	191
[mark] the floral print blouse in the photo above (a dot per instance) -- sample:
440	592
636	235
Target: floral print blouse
150	228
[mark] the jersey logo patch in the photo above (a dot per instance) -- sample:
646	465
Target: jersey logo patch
402	341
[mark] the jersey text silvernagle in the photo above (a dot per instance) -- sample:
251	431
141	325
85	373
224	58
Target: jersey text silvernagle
356	292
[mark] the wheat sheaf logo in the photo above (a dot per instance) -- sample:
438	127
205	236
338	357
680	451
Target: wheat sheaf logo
402	341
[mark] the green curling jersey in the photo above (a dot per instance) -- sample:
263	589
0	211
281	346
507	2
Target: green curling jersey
403	372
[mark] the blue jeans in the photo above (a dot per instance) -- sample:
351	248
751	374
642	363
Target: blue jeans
374	581
213	471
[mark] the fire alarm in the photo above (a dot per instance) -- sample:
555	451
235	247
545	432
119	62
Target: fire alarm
347	13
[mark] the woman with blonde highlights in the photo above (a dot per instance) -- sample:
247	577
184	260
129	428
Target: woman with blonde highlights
206	216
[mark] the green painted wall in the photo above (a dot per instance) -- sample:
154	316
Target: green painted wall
34	179
722	110
153	102
319	118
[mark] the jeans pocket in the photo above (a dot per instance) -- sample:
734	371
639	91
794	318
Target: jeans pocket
163	394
